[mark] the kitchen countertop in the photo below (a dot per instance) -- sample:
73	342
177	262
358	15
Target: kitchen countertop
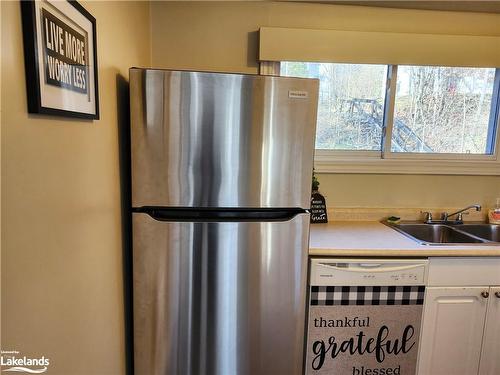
371	238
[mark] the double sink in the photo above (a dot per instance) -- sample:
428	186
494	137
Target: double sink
450	234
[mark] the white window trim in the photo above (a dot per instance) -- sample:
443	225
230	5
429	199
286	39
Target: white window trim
326	161
387	162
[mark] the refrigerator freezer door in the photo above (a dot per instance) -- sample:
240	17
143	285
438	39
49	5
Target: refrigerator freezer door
221	140
219	298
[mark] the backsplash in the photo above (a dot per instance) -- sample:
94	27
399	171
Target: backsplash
377	214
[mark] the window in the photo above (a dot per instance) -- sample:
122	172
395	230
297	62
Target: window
351	103
443	110
387	112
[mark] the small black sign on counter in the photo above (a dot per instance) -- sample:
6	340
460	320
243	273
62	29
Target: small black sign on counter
318	208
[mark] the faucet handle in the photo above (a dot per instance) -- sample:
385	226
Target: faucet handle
427	216
460	215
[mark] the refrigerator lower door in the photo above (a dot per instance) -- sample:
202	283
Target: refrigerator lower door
223	298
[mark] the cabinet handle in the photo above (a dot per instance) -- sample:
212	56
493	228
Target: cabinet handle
497	294
486	294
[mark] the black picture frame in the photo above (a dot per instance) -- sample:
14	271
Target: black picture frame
32	63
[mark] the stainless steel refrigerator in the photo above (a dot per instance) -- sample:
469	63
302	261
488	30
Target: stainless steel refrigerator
221	184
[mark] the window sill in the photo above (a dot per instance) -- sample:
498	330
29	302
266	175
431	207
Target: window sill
357	164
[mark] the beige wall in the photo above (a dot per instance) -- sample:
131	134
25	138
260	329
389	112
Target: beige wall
62	289
408	191
224	37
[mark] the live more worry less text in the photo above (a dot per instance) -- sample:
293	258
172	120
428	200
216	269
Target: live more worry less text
65	54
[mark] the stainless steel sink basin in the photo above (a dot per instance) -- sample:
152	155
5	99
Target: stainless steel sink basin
490	232
447	234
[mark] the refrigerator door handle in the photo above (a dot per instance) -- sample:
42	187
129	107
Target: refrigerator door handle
185	214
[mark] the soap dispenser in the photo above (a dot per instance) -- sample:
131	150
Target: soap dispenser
494	213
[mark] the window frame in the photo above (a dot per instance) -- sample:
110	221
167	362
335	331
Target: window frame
386	161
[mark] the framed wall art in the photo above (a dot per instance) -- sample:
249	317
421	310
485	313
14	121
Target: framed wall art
60	54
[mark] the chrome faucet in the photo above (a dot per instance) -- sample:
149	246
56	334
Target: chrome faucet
445	216
427	217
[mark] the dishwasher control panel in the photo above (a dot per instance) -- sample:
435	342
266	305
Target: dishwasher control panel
355	271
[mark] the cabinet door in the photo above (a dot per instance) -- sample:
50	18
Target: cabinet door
452	331
490	356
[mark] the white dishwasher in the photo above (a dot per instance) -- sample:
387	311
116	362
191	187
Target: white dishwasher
364	315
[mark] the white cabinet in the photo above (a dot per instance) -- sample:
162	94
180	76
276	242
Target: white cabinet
461	322
452	331
490	356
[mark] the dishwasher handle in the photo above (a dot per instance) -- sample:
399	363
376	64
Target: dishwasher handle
372	267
